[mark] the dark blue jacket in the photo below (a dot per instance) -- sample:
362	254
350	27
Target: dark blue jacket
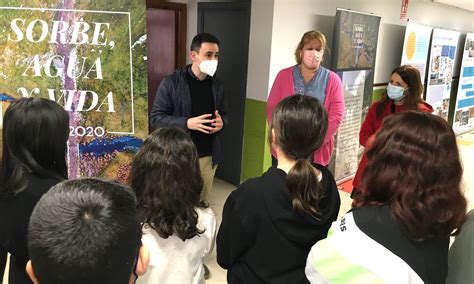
172	106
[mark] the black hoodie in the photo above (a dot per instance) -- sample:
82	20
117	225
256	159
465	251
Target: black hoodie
262	239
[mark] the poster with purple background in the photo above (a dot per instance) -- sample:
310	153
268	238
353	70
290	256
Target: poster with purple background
89	57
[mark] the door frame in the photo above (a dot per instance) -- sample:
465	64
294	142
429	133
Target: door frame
181	11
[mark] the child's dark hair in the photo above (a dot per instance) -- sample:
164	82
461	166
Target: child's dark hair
167	181
415	168
85	231
35	134
300	124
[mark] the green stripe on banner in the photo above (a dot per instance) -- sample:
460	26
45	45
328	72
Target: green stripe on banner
255	150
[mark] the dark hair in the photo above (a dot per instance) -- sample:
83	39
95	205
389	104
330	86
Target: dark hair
35	133
300	124
306	38
411	76
414	167
167	181
85	231
199	39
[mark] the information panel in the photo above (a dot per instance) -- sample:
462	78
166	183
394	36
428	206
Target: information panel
355	47
416	47
442	57
347	149
464	110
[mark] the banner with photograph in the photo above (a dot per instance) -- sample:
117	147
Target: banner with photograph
416	47
464	109
89	57
441	67
354	49
355	40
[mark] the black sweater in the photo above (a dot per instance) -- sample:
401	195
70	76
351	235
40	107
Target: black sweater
262	239
14	218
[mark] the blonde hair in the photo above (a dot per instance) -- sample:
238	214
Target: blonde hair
307	37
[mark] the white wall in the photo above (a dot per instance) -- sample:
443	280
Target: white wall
294	17
260	41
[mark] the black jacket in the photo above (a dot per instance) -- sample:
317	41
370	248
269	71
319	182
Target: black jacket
261	239
172	106
15	214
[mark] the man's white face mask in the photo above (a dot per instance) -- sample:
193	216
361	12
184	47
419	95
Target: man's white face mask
208	67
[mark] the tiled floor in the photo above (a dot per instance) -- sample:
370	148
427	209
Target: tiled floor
222	190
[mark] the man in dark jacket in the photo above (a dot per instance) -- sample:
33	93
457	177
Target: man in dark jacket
192	98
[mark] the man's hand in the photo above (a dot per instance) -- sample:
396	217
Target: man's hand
218	123
197	123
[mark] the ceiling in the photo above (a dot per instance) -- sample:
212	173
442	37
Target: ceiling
462	4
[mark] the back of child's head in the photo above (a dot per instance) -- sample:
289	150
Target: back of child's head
85	231
414	167
298	127
167	181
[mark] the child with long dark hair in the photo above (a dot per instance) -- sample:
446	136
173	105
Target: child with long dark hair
35	134
179	228
270	223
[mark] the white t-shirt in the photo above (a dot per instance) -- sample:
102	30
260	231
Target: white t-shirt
173	260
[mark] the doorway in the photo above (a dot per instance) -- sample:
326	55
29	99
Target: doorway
230	23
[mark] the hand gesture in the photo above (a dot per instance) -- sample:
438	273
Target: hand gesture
197	123
218	123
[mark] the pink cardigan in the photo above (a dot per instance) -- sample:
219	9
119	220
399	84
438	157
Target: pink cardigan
334	104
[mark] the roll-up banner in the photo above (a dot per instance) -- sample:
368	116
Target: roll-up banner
416	47
354	47
440	72
89	57
464	110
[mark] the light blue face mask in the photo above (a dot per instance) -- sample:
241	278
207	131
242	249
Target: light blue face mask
395	93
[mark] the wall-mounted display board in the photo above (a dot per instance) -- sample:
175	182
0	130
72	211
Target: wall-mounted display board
90	57
464	110
440	72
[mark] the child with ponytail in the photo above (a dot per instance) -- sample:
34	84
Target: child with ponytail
270	223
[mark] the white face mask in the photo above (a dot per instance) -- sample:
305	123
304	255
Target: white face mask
208	67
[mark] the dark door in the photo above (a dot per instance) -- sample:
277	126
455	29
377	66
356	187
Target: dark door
230	23
166	43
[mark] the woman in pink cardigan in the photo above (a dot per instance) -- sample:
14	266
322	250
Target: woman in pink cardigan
308	77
